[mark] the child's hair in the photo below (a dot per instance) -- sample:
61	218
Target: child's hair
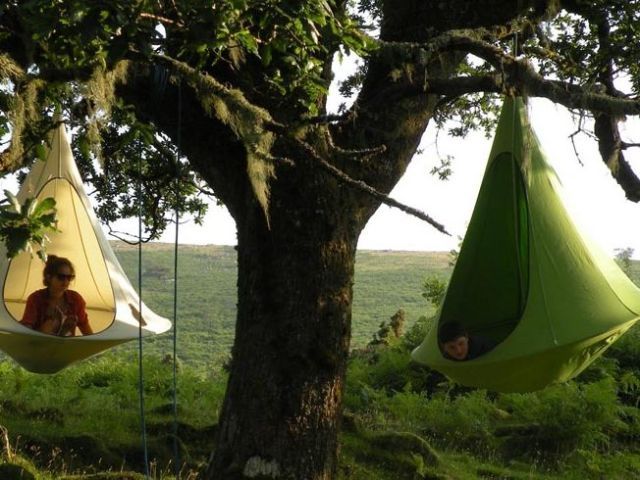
449	331
53	265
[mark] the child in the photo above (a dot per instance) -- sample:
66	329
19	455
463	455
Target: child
456	343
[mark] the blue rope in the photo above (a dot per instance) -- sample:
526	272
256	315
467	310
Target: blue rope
143	425
176	452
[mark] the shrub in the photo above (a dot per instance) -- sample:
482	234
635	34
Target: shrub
415	335
561	418
626	351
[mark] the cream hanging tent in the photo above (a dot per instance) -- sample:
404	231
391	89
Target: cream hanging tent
112	303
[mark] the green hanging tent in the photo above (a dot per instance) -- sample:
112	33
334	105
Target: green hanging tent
527	279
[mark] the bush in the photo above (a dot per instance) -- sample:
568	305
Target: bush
415	335
561	419
626	351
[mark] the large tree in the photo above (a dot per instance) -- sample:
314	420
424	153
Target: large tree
239	88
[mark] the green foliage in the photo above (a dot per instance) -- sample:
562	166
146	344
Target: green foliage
155	185
393	372
402	420
470	113
276	46
433	289
563	418
574	51
416	334
24	225
91	411
626	351
623	259
390	454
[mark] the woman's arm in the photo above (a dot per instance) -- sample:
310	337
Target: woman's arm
31	312
83	318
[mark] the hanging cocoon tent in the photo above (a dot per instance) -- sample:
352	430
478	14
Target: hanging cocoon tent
112	303
527	279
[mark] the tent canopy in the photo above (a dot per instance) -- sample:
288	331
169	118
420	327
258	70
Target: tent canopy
527	278
113	306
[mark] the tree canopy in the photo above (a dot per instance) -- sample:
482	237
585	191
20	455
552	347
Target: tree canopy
263	68
229	98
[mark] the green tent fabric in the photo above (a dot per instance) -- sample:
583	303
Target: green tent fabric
527	278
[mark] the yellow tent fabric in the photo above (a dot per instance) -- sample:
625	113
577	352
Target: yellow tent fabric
527	278
112	302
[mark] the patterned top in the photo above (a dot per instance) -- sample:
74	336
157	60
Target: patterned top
60	320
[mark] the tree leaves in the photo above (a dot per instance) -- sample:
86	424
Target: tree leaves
25	226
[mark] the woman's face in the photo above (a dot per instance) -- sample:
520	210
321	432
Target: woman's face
59	281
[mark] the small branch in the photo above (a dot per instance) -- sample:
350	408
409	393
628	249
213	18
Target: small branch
365	188
118	235
625	145
362	186
365	152
203	191
323	119
161	19
572	137
284	161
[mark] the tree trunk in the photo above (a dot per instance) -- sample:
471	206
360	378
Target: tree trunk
281	414
282	410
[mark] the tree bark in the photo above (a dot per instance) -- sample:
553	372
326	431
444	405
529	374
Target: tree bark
282	409
281	414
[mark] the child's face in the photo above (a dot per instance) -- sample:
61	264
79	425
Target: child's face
458	348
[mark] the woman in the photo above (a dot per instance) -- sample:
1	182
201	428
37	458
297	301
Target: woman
56	310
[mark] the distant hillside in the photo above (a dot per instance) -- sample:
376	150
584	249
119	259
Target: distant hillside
385	281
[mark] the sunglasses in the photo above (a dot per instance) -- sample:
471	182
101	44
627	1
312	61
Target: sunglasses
63	276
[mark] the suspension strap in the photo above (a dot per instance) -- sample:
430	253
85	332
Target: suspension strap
176	452
143	425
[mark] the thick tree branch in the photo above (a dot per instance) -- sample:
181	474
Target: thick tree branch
206	83
610	146
417	19
456	86
606	127
518	76
517	73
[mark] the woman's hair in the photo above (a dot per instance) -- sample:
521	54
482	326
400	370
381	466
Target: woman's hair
53	266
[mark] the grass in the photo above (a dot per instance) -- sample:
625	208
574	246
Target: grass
206	301
401	420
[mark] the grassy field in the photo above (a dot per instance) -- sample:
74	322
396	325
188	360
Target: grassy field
401	420
206	300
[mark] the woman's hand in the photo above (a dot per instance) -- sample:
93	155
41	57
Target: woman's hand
50	326
68	326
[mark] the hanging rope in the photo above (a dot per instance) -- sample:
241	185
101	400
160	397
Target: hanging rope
176	452
514	184
143	425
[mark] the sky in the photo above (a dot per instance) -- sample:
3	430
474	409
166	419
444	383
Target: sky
596	204
595	201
